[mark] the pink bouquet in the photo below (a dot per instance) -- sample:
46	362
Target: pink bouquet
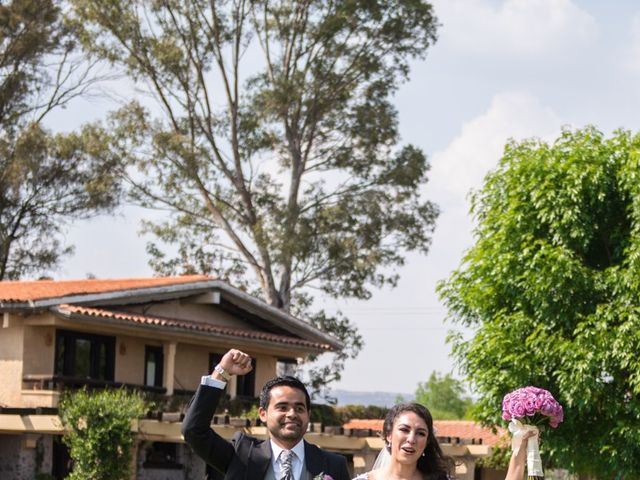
535	403
528	409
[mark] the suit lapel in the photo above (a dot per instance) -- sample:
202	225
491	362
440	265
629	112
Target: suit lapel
315	462
259	460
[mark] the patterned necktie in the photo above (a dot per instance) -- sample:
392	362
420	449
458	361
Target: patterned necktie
286	472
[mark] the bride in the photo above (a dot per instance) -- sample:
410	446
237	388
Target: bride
412	451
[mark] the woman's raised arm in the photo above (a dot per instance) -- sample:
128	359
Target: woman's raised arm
517	462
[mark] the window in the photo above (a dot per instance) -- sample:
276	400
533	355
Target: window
286	366
84	355
214	359
153	366
61	463
246	384
162	455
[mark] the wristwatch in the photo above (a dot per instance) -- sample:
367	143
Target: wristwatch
222	372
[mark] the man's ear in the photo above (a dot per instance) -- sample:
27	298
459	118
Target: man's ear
263	414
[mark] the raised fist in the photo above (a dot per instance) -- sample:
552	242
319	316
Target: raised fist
236	362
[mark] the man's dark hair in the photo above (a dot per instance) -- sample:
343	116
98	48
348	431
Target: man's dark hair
287	381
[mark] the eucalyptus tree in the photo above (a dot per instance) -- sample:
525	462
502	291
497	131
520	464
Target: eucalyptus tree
267	130
551	289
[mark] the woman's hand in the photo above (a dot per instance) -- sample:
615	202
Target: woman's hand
517	462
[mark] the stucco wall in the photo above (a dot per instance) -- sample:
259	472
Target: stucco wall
11	348
39	349
129	356
191	363
190	311
266	370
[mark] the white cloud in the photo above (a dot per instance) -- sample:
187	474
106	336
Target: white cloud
462	165
515	26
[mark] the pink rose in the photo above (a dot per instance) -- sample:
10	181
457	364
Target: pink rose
538	402
530	406
518	410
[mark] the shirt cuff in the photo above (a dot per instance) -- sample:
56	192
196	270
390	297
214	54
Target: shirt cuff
212	382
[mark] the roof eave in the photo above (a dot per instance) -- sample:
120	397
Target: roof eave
187	332
277	316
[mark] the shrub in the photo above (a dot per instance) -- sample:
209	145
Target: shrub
98	432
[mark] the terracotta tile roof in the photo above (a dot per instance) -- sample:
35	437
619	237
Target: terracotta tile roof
468	430
365	424
462	429
187	325
21	291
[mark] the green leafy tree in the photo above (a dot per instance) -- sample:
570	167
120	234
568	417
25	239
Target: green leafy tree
551	288
45	180
444	396
273	143
98	432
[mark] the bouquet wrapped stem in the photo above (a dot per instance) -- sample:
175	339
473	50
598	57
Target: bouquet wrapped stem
534	461
526	409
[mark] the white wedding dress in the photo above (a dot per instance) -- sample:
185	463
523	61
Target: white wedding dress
382	459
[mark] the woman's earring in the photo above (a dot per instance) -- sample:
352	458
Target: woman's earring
423	453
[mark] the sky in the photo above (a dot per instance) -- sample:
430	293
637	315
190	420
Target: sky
499	70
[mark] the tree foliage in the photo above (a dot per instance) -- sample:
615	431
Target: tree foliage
499	457
551	288
444	396
45	180
98	432
273	142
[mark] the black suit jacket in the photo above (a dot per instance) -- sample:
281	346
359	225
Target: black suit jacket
245	457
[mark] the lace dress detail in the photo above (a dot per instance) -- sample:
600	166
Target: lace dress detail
362	476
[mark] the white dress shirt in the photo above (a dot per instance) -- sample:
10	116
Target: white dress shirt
297	462
212	382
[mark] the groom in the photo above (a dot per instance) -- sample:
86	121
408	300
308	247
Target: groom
284	408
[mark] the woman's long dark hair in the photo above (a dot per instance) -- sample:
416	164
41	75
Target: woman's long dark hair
434	464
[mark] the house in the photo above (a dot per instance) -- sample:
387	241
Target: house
155	334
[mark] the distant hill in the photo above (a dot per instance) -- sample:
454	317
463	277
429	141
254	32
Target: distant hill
379	399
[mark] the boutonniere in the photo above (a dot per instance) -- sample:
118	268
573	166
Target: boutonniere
322	476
